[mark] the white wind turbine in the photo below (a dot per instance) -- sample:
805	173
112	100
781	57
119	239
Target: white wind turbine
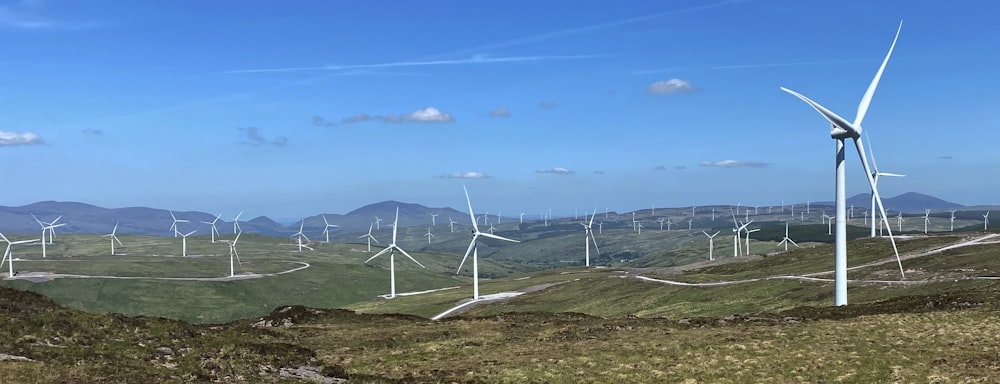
841	130
326	229
986	220
927	219
749	231
669	223
392	248
233	254
638	226
474	248
661	220
236	223
215	231
600	228
875	175
429	235
829	223
451	224
899	222
711	244
689	223
378	223
7	256
434	218
590	237
184	242
114	238
173	226
953	220
787	239
370	237
49	227
299	236
522	218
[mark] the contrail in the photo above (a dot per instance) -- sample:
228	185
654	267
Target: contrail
752	66
472	60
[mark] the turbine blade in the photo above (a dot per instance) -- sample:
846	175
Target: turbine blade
878	199
395	225
116	239
492	236
889	174
472	216
594	239
467	252
410	257
867	99
380	253
833	118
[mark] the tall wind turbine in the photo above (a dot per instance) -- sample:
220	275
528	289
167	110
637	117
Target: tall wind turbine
749	231
51	228
899	222
114	238
875	175
451	224
429	235
184	242
378	223
326	229
522	218
369	237
236	223
474	248
215	231
953	220
233	254
299	236
927	219
986	220
588	228
173	226
7	255
787	239
392	248
433	218
711	244
840	131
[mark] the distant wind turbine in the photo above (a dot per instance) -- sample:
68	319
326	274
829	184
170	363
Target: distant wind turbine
184	242
474	248
173	226
326	229
391	249
953	220
370	237
233	254
590	237
236	223
434	218
787	239
114	238
711	244
214	230
7	256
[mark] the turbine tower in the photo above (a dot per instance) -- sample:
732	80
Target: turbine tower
927	219
114	238
986	220
7	255
875	175
953	220
392	248
840	131
434	218
711	244
184	242
233	254
474	248
590	237
369	237
429	235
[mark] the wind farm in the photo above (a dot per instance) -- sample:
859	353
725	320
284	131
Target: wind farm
538	125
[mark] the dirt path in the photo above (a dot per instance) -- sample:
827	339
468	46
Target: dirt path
39	277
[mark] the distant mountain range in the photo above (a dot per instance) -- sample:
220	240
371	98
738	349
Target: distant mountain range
86	218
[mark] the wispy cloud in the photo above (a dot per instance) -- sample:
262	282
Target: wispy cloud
660	168
680	167
11	139
556	170
598	172
464	175
794	64
669	87
252	136
500	112
319	121
426	115
24	15
945	157
733	164
478	59
547	105
93	131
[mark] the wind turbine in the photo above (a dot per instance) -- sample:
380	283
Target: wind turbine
840	131
370	237
434	218
378	223
233	254
986	220
429	235
899	222
875	175
184	242
114	238
927	219
711	244
522	218
173	226
7	255
326	229
689	223
749	231
600	228
787	239
236	223
590	237
392	248
661	220
638	225
474	248
953	220
51	228
669	223
299	235
215	231
829	223
451	224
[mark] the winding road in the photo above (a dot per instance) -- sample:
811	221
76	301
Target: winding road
46	276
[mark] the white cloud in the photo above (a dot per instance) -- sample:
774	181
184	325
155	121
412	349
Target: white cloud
426	115
733	164
556	170
500	112
464	175
23	15
669	87
10	139
356	118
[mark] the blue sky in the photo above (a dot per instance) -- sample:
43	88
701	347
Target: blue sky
325	106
